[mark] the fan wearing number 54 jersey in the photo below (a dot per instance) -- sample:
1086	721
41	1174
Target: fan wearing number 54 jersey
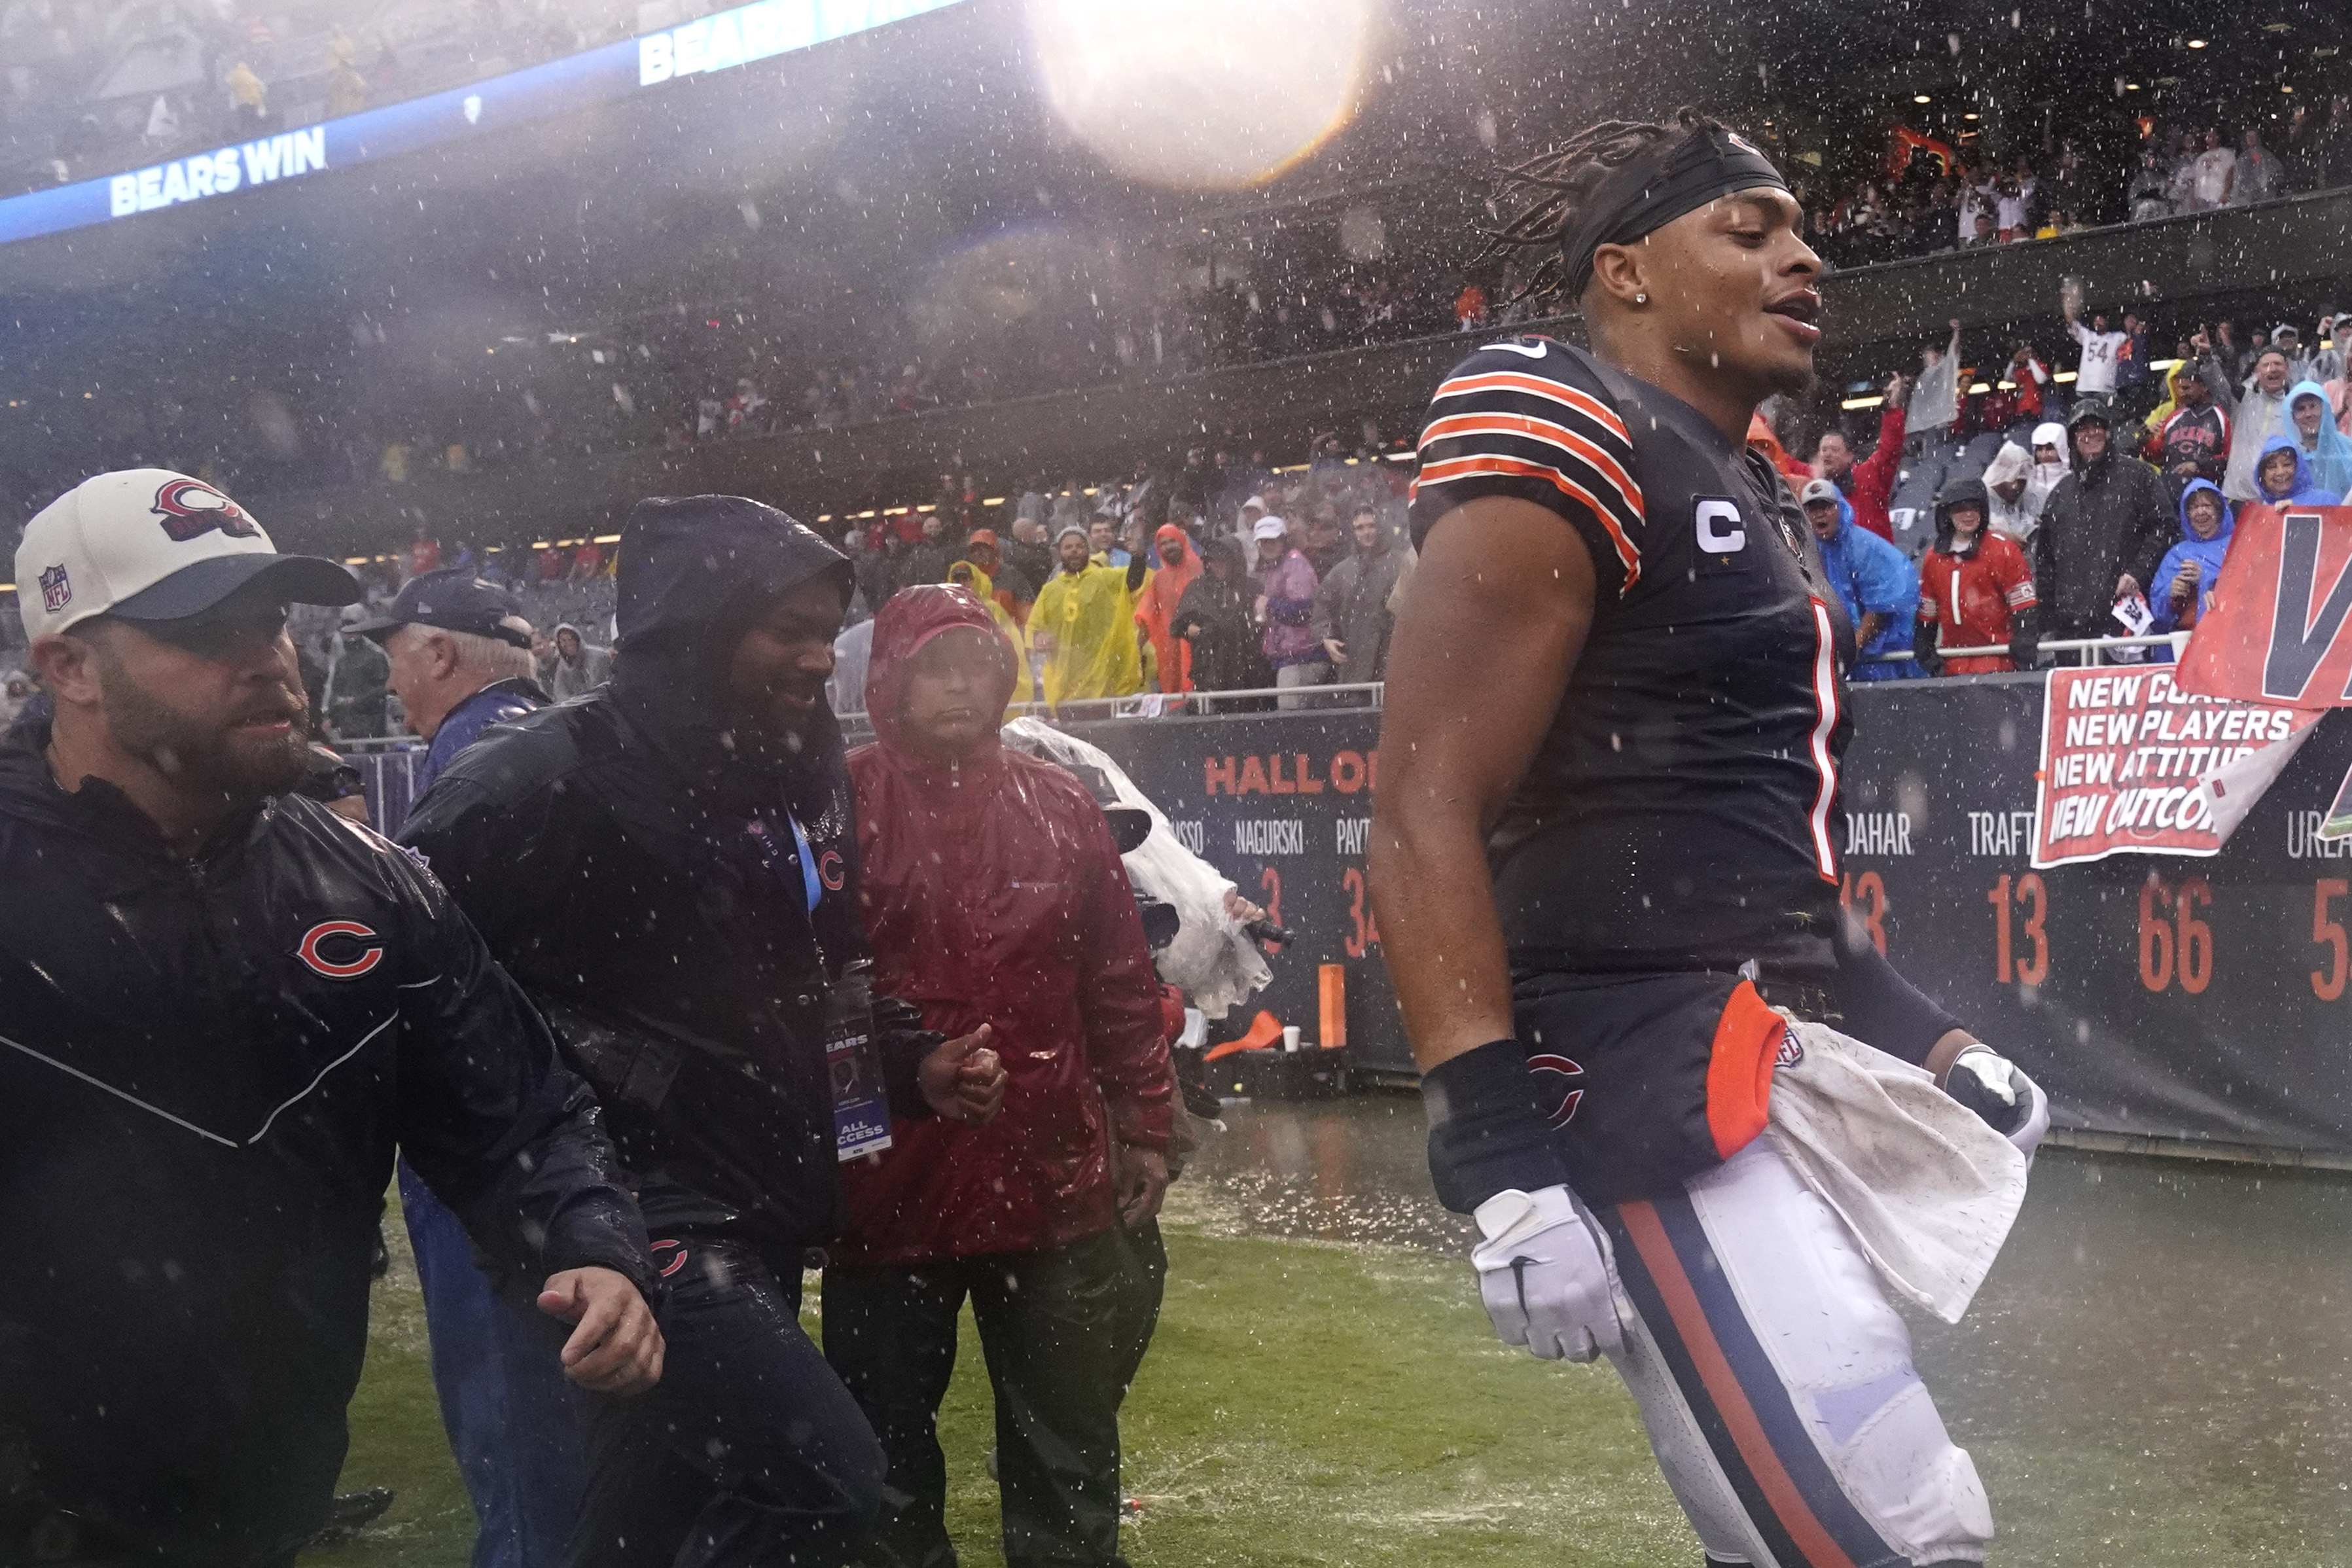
1605	862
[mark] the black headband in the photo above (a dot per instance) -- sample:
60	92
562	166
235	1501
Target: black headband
1659	185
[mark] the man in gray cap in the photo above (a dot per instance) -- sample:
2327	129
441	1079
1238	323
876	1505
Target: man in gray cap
461	661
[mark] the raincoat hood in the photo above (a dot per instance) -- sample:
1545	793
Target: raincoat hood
1959	492
1180	577
912	618
2229	520
2009	464
694	572
2304	490
2330	462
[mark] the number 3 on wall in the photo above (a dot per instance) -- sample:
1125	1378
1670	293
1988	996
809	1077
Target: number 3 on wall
1269	882
1866	896
1366	934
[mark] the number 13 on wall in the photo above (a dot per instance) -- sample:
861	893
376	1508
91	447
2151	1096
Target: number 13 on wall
2033	966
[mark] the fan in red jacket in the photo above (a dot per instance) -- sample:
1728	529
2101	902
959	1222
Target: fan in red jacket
1868	485
1974	588
993	894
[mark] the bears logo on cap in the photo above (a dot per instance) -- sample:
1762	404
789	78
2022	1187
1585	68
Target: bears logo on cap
191	509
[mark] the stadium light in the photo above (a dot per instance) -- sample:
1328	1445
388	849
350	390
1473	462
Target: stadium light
2196	43
1202	94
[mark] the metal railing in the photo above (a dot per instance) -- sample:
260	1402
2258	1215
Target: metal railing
1170	704
1313	699
2089	648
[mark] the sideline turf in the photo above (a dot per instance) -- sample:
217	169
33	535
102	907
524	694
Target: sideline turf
1303	1404
1312	1404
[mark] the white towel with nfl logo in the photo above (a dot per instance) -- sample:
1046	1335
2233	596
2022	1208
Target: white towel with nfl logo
1927	1188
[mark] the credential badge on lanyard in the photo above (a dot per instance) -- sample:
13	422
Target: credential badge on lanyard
852	1063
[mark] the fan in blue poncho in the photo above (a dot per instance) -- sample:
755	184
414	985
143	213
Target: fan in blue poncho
2185	578
2283	475
2327	449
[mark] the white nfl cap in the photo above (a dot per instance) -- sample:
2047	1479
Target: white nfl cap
148	544
1269	527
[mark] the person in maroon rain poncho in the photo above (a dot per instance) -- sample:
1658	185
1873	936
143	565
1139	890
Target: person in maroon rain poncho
993	894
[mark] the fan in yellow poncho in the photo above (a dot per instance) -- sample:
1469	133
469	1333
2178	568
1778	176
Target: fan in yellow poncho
983	588
1083	624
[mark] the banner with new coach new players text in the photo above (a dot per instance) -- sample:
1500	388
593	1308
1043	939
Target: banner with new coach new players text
2125	757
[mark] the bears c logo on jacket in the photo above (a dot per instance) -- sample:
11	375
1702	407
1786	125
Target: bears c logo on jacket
340	949
190	509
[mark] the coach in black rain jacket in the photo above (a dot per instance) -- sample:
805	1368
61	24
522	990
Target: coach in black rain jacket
605	848
205	1067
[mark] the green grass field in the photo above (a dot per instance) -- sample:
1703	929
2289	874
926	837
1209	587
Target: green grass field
1308	1403
1303	1404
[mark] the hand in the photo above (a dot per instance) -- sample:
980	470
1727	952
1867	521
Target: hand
1337	649
962	1080
616	1346
1996	1090
1954	323
1543	1271
2126	585
1897	385
1138	1181
1240	911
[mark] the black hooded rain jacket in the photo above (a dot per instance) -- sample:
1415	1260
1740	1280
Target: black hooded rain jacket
630	857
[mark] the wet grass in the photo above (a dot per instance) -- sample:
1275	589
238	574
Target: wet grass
1325	1404
1303	1404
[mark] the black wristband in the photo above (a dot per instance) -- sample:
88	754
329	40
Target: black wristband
1484	1133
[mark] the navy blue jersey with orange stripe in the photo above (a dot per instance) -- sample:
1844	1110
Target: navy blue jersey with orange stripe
1680	812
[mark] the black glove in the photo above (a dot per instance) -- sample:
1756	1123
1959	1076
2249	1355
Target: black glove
1924	649
2024	640
1998	1090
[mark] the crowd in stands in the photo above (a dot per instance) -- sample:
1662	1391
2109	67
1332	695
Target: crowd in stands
2000	504
1215	575
1940	198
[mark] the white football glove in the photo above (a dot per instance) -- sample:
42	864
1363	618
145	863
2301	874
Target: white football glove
1998	1090
1543	1271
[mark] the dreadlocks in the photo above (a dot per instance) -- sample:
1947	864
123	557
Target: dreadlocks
1546	195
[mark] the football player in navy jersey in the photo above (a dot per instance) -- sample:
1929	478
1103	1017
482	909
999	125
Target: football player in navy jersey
1606	870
